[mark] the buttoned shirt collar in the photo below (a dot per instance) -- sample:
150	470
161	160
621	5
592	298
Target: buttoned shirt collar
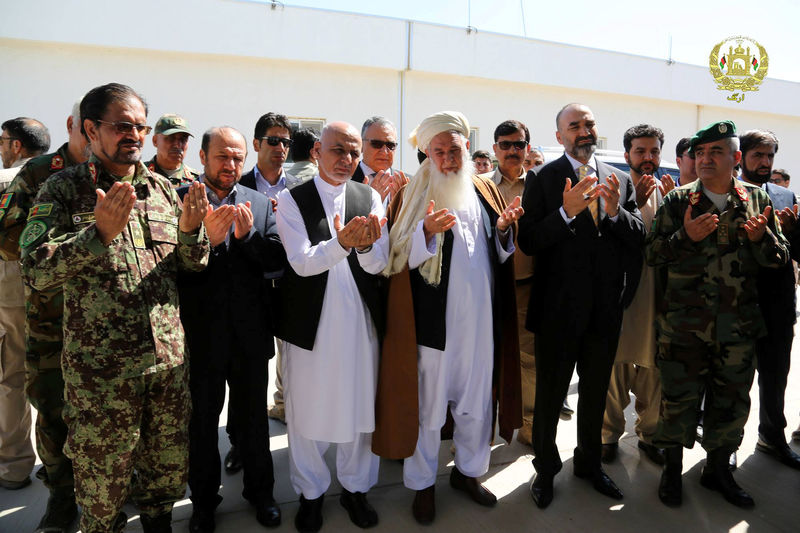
264	187
215	200
577	164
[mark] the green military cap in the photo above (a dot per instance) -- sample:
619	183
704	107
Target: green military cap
713	132
170	123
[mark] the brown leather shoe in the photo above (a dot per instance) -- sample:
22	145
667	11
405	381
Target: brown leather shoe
470	485
424	506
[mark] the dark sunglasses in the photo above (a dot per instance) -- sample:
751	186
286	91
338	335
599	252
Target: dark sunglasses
273	141
519	145
377	145
123	128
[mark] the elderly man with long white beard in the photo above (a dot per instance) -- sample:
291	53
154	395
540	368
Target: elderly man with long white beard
331	228
451	339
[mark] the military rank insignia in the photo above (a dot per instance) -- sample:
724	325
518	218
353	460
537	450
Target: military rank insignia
741	193
151	167
722	234
40	210
57	163
694	198
93	172
5	200
2	214
32	232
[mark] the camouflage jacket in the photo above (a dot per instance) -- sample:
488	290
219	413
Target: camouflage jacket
120	302
19	195
185	176
710	286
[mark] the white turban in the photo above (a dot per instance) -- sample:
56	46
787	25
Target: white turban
436	124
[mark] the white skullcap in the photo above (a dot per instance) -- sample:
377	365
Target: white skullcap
436	124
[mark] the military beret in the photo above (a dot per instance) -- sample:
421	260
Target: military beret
713	132
169	124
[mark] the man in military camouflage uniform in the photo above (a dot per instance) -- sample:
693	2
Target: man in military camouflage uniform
711	237
44	383
114	236
171	139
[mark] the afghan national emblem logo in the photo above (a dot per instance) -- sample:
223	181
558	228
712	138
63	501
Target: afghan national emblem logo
738	64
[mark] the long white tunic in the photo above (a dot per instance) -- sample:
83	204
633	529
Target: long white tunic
462	373
330	390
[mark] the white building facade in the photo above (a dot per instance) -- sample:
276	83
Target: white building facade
227	62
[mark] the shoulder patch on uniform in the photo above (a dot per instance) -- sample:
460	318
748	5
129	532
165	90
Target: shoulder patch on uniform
5	200
694	198
151	167
40	210
742	194
32	232
83	218
57	163
162	217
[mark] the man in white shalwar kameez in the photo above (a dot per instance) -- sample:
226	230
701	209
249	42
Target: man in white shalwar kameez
452	251
331	375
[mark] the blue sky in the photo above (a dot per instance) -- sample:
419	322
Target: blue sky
636	27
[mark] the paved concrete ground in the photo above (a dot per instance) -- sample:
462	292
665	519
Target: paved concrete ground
576	508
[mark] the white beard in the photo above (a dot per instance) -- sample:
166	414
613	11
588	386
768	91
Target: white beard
454	190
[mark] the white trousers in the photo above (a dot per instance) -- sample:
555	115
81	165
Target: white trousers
471	438
356	465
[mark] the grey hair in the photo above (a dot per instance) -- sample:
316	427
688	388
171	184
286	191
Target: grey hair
377	119
76	112
733	143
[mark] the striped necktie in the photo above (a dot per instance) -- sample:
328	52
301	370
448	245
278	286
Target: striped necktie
583	171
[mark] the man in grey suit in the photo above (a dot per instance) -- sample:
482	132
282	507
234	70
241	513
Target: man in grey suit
776	298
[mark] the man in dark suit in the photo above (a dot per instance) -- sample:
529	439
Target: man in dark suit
379	141
582	224
224	313
776	297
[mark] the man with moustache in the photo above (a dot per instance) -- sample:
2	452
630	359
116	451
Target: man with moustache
271	141
44	382
685	161
512	147
586	241
634	367
225	317
114	236
776	298
379	141
171	139
711	237
331	324
451	340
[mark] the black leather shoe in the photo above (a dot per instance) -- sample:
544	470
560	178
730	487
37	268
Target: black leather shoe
542	490
233	461
119	523
670	488
309	516
202	520
717	476
781	452
566	411
653	453
156	524
601	482
268	514
358	508
608	453
479	494
61	512
424	506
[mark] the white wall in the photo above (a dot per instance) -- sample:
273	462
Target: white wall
229	61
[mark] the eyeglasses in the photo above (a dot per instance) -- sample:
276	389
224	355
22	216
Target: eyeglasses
123	128
273	141
506	145
3	139
377	144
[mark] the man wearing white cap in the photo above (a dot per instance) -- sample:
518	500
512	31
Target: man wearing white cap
452	284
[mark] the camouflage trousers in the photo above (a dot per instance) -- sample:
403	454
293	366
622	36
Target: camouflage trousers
44	384
118	425
724	373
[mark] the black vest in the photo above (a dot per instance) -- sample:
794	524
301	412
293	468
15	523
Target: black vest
302	297
430	303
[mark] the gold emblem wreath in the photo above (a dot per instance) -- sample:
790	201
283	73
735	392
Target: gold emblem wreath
749	83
